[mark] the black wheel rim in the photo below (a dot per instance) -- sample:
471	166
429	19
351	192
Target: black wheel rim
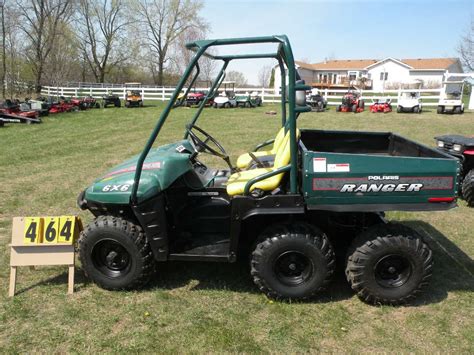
293	268
392	271
111	258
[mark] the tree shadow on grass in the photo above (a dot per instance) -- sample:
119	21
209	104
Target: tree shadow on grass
453	269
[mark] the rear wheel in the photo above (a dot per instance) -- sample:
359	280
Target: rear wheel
292	262
354	108
338	108
468	188
457	110
399	109
389	264
115	254
440	109
416	109
227	105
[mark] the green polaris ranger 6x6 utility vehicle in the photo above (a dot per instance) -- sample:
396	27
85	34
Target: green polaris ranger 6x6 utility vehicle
287	208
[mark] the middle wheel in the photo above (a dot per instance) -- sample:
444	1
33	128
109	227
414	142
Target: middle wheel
292	262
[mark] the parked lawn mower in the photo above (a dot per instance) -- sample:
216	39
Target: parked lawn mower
409	101
322	188
40	105
134	98
351	102
111	99
381	104
181	99
317	102
450	100
226	98
462	148
195	97
17	109
61	105
249	100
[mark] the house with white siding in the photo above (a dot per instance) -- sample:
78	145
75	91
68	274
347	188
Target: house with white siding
374	74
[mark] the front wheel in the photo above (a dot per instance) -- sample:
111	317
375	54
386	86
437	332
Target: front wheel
440	109
115	254
292	262
389	264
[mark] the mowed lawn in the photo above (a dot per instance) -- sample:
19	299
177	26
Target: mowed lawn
200	307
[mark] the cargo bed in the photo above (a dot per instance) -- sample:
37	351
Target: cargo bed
375	171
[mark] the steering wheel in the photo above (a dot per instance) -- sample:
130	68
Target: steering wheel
203	146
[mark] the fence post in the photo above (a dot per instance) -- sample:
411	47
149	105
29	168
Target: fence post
49	91
124	92
163	93
90	91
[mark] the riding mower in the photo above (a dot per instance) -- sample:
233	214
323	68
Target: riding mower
463	149
316	191
249	100
317	102
134	98
351	102
111	99
195	97
409	102
450	100
16	108
226	98
381	105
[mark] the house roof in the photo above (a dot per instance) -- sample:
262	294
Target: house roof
361	64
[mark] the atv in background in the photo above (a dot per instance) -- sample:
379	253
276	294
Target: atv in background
197	96
381	104
111	99
450	100
462	148
317	102
409	102
249	100
351	102
134	98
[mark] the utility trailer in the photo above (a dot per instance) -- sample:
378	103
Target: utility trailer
290	209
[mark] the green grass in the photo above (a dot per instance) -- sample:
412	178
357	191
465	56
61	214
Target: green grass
201	307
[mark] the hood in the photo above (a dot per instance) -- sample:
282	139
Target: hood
161	168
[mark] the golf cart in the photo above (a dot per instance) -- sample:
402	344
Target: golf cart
226	98
351	102
284	208
450	100
409	101
462	148
317	102
133	98
111	99
252	99
381	104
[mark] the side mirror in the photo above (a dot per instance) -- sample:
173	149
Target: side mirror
300	95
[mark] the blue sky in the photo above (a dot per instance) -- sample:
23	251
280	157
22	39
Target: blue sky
344	29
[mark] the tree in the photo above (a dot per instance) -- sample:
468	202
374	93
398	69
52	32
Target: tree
238	77
4	53
264	75
163	22
102	25
272	78
466	47
39	20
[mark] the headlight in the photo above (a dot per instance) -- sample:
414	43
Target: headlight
440	144
457	147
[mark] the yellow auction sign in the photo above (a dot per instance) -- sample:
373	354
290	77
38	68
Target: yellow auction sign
40	241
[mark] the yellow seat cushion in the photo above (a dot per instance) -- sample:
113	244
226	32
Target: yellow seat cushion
237	181
244	160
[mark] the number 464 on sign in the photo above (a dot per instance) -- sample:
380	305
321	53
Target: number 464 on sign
51	230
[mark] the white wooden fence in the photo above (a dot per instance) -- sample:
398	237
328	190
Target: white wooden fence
430	96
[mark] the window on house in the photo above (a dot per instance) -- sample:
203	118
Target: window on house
334	79
383	75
